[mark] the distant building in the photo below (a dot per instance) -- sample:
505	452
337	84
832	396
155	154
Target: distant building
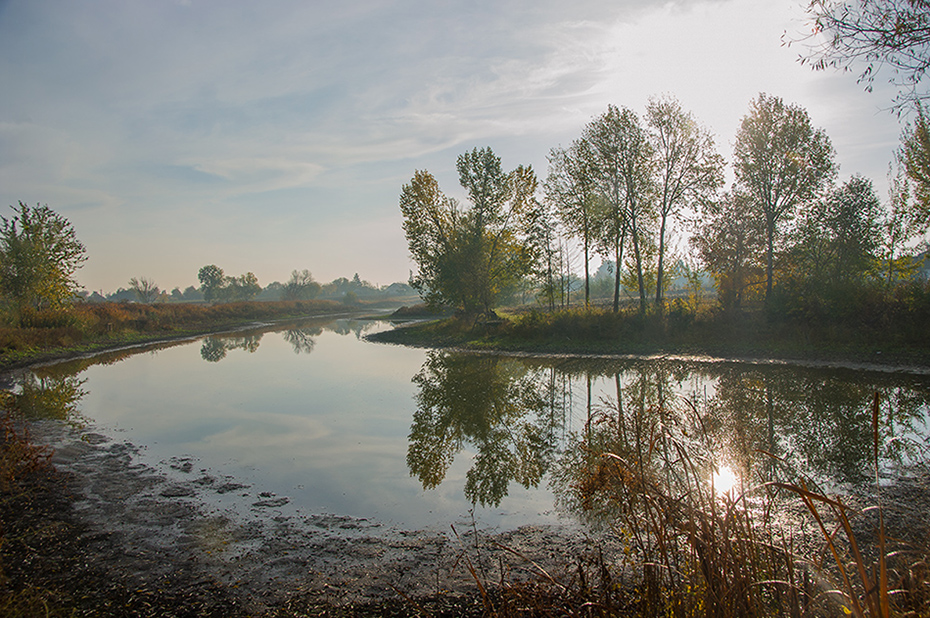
399	289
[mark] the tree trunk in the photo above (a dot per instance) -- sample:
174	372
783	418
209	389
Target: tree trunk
587	276
660	296
639	270
769	260
618	253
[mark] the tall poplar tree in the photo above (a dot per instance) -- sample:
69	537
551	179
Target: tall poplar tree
623	159
571	189
780	161
689	171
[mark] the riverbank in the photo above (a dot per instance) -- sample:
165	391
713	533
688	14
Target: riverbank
90	532
89	329
141	542
748	336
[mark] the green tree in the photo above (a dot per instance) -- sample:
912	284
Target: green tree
212	280
544	231
571	189
242	288
471	259
730	242
688	168
39	254
780	161
902	221
192	294
915	153
839	236
300	286
623	159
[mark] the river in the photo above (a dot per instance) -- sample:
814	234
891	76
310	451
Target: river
310	418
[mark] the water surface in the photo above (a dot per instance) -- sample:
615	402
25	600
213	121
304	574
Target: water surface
317	420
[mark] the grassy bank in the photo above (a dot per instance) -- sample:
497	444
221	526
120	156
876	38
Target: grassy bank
747	334
87	328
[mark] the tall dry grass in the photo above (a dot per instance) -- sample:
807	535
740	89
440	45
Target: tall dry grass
772	545
86	323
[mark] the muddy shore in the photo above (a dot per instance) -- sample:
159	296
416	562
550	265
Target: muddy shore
154	530
126	538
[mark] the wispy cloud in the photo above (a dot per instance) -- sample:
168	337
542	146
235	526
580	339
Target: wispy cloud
184	120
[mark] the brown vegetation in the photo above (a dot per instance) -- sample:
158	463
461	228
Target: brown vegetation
93	326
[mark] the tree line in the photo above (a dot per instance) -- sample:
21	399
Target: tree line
216	286
40	256
784	228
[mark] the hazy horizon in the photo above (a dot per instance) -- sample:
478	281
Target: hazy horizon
275	137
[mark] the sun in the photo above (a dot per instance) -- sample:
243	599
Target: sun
724	480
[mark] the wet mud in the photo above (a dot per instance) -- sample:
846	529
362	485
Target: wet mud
160	524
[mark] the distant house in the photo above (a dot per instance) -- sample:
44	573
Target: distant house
399	289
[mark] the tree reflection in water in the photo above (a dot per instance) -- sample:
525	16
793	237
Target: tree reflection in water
50	396
818	421
761	422
507	412
302	338
216	347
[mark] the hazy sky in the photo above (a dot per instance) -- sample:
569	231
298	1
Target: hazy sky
275	136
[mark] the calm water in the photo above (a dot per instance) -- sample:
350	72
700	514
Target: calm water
414	438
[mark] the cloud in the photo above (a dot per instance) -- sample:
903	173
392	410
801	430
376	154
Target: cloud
247	124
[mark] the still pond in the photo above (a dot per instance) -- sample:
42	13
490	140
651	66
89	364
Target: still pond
318	420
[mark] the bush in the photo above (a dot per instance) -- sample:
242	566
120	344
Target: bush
680	314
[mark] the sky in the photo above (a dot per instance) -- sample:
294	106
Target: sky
274	136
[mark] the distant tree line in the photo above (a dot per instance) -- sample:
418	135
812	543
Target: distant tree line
785	233
216	286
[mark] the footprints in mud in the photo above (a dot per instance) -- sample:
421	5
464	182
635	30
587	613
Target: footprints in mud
227	485
159	496
181	464
177	491
268	500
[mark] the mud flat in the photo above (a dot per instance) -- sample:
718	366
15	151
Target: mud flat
161	528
